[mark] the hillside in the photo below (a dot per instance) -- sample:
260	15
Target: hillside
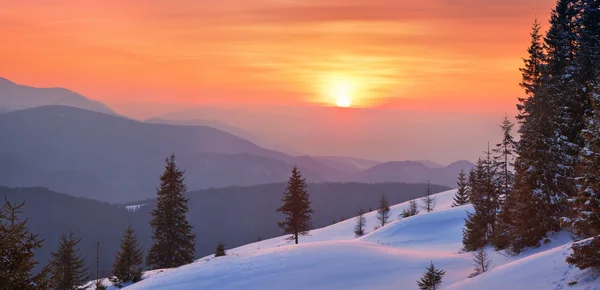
90	154
234	215
393	257
17	97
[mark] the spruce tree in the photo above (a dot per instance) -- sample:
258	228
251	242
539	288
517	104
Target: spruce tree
568	109
479	225
359	228
504	155
127	266
428	199
296	207
68	270
462	194
432	279
383	212
413	209
586	205
220	250
531	215
173	240
17	245
483	262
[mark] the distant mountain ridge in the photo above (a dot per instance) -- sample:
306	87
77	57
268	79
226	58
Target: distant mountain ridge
110	158
413	172
18	97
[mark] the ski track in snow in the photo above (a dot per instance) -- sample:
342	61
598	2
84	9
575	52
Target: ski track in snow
392	257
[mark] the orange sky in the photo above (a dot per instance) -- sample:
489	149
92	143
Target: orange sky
460	55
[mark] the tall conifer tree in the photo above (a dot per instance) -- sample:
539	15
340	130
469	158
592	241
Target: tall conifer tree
534	181
173	240
296	207
586	205
17	245
68	270
128	263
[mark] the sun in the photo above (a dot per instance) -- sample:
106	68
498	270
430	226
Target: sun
340	91
343	101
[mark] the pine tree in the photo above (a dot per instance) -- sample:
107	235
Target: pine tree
483	262
359	228
568	108
68	270
504	155
432	279
503	161
428	199
586	205
479	225
17	245
413	209
296	207
220	251
127	266
173	240
462	194
531	215
383	212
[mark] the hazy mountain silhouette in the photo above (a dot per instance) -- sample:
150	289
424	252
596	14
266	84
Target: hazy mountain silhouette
123	157
17	97
226	128
413	172
347	164
111	158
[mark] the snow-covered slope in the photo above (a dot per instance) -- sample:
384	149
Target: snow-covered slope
392	257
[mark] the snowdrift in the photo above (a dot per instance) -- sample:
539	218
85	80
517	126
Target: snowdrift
391	257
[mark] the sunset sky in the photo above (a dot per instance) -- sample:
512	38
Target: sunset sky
146	57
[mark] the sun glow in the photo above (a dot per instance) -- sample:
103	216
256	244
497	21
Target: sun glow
340	92
343	101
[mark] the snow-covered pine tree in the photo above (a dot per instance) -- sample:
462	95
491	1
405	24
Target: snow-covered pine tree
17	245
462	194
586	205
428	199
173	240
359	228
480	225
483	262
566	119
220	250
383	212
504	155
531	213
476	230
296	207
67	266
127	266
432	279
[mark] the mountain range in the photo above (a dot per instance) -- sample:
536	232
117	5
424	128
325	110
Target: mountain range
17	97
83	148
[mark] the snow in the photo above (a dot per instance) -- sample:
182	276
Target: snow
392	257
134	207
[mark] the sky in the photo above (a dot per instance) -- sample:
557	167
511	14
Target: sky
147	58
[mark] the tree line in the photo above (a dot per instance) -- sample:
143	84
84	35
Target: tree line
549	180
